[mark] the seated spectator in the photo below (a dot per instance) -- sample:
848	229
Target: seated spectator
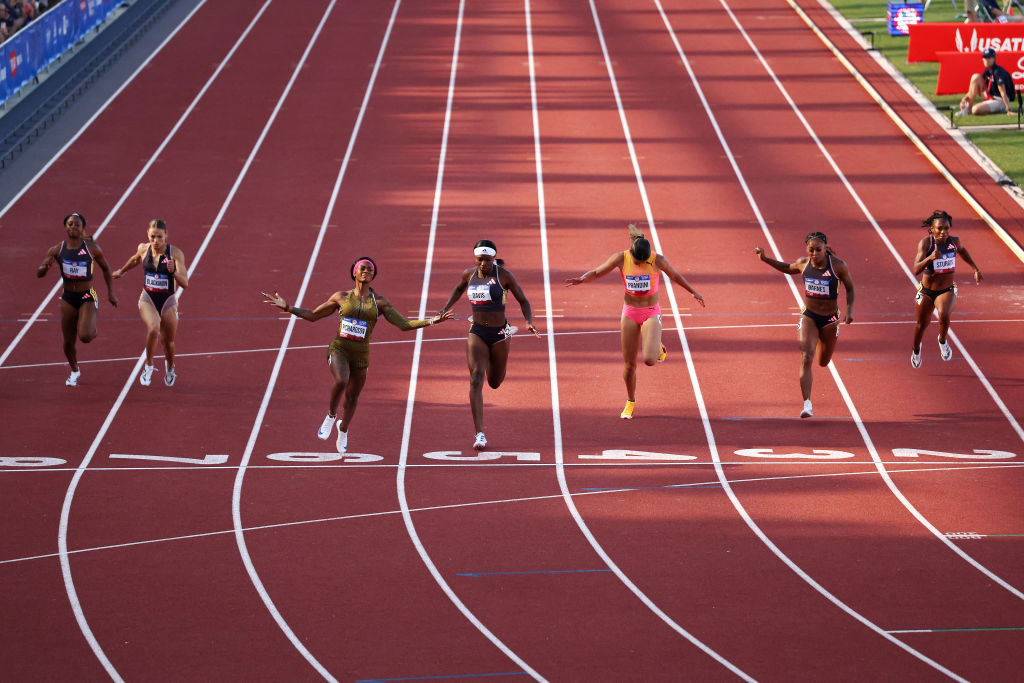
994	83
993	9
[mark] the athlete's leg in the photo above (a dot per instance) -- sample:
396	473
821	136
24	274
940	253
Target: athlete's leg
828	336
151	319
357	379
338	365
944	307
924	316
498	363
808	336
650	334
87	315
168	330
69	328
478	358
630	346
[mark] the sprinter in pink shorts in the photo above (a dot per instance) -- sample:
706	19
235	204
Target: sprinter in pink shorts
641	312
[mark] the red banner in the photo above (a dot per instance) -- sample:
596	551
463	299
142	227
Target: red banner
927	40
956	69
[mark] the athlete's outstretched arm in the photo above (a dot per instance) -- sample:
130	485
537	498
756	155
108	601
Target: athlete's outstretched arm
677	277
403	323
322	311
459	290
614	261
782	266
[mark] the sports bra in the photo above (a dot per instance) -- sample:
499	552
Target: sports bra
486	294
640	279
821	283
945	262
157	278
75	264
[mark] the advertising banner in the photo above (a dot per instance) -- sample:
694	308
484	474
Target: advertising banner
900	15
956	69
927	40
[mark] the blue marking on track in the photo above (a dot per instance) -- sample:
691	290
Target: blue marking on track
434	678
676	487
542	571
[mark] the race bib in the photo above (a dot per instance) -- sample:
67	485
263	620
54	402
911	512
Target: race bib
638	283
75	270
945	264
353	328
815	287
157	282
479	294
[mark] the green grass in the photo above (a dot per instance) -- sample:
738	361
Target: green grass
1004	147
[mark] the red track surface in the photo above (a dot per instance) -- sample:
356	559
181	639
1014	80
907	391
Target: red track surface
705	568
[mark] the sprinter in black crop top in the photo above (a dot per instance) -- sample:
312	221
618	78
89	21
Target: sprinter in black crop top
164	274
79	302
490	335
821	272
935	262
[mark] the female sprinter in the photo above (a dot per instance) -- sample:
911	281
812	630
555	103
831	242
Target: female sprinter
79	303
936	258
164	270
641	312
490	336
822	272
348	356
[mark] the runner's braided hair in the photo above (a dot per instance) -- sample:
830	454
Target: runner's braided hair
820	236
937	214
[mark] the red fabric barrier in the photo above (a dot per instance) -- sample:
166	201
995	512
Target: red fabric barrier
927	40
956	68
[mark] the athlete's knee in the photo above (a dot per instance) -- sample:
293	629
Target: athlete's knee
152	331
87	337
476	378
806	358
495	382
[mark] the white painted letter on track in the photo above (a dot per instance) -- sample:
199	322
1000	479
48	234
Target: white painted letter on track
482	456
207	460
616	454
306	458
976	455
29	461
815	454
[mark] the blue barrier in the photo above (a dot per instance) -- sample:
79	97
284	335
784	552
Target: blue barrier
46	38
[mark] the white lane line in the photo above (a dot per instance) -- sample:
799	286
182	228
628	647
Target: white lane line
236	495
690	328
703	410
832	368
524	499
552	363
403	457
138	178
65	512
1001	232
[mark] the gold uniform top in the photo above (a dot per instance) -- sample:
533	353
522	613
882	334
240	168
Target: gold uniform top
356	320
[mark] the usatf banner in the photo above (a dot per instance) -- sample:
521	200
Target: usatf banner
927	40
956	69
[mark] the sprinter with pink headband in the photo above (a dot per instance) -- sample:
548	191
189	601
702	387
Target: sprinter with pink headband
348	356
490	336
641	313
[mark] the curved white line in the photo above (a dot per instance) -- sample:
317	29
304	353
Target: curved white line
704	417
236	495
835	373
138	178
552	363
403	457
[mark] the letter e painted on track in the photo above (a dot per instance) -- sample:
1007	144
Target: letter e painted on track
306	458
29	461
976	455
617	454
482	456
815	454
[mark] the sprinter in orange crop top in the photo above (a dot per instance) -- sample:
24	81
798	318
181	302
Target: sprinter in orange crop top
490	334
821	272
640	322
